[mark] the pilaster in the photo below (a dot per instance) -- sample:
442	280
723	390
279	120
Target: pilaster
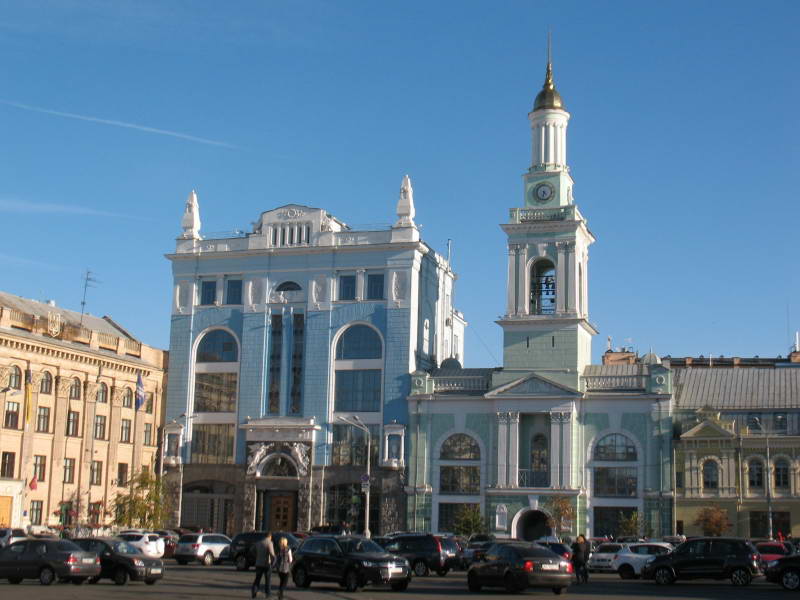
502	449
513	449
561	277
555	449
522	278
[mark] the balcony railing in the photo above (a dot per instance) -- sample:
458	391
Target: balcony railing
616	382
534	479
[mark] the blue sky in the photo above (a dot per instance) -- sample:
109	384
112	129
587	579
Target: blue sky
682	142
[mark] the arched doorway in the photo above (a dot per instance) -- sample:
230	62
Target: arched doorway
532	525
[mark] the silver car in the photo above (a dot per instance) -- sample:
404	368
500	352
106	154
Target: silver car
207	548
9	535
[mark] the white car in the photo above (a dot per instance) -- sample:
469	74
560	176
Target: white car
601	557
10	535
150	544
632	558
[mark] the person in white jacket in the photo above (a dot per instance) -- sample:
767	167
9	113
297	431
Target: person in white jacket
283	564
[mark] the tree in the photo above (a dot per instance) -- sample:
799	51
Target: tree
144	505
469	521
713	520
561	511
629	525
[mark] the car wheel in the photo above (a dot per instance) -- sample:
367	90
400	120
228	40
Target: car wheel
47	576
401	586
790	579
509	583
663	576
241	563
626	572
150	581
181	561
120	576
473	583
78	580
558	591
442	572
351	581
421	569
741	577
15	580
301	578
208	559
93	580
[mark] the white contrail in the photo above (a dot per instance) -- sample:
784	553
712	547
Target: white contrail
58	113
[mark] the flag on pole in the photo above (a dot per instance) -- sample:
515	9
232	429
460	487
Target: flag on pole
33	484
28	400
139	392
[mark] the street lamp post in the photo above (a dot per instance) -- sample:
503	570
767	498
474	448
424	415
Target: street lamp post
768	481
365	485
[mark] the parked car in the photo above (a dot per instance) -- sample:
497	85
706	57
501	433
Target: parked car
562	550
47	560
9	535
423	551
785	571
478	544
330	530
150	544
632	558
120	561
206	548
351	561
243	546
709	558
170	541
770	551
518	566
601	557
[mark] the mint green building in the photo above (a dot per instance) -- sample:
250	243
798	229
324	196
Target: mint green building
547	427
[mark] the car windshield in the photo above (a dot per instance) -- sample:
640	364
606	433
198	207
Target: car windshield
187	539
124	548
771	549
355	545
131	537
480	538
67	546
608	548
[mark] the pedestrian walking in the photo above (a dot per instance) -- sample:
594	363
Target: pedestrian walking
265	555
580	556
283	564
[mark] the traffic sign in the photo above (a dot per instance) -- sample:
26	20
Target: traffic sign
365	486
364	478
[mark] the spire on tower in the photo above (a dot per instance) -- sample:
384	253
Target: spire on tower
191	218
549	96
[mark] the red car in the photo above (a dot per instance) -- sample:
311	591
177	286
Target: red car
772	551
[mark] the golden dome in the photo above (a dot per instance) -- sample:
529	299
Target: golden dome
549	96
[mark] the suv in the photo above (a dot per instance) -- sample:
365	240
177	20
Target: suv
350	561
710	558
632	558
148	543
10	535
207	548
423	552
243	546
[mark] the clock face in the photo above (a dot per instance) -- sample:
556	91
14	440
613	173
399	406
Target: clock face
543	192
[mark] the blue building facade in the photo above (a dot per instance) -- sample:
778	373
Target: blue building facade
290	348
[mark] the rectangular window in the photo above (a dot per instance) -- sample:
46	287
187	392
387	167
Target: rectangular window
208	292
40	467
36	512
358	391
759	524
448	513
125	431
615	481
12	415
215	392
43	419
298	341
754	421
276	345
67	514
375	288
99	427
7	465
96	473
95	512
459	480
679	479
148	403
212	444
347	287
69	470
73	418
173	444
148	434
780	422
350	445
233	293
122	474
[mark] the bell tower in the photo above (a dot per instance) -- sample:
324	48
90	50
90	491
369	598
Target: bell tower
546	328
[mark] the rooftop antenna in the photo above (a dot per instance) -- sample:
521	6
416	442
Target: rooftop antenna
549	46
88	280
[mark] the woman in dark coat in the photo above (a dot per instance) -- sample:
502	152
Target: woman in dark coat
580	556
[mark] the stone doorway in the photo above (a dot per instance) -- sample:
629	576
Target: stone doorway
532	525
282	513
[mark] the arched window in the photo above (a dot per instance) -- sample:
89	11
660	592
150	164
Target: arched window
782	474
280	466
615	447
540	462
710	475
75	389
755	473
288	286
217	346
460	446
359	342
543	288
127	398
15	378
46	385
102	394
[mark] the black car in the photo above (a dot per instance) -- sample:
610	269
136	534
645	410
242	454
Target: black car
243	546
47	560
706	558
350	561
119	561
785	571
478	544
423	551
518	566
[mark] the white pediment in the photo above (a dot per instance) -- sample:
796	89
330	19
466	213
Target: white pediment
532	385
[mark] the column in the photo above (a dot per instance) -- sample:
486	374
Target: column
360	282
566	478
571	268
561	274
511	286
555	449
523	304
502	449
513	449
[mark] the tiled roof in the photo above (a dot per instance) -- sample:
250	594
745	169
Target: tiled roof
737	388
